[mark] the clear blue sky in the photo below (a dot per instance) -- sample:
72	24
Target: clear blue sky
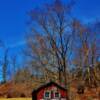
13	17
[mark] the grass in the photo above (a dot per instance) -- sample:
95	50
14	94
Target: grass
16	99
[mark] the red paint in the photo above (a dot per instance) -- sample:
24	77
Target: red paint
40	94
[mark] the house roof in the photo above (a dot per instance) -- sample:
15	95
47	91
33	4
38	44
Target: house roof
49	84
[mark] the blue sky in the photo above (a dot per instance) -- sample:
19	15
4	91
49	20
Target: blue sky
13	17
87	10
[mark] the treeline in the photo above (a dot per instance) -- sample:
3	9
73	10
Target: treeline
58	47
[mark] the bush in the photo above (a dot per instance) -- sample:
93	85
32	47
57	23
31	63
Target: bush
9	95
13	94
22	95
80	89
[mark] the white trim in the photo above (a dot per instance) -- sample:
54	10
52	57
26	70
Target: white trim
49	95
57	97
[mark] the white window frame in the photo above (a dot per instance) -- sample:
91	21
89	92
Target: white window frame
49	95
57	97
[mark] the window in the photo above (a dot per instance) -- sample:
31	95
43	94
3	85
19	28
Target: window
57	95
47	94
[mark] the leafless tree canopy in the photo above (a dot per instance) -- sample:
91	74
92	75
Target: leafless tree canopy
58	47
58	42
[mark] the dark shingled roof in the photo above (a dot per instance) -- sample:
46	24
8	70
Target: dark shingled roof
49	84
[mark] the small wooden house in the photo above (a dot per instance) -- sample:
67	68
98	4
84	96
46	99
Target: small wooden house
50	91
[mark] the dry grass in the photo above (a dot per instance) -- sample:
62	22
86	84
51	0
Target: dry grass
90	94
16	99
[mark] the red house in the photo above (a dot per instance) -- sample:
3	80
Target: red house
50	91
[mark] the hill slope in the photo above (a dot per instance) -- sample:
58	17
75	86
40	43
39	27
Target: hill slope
11	90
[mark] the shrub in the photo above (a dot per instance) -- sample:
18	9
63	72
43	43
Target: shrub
22	95
80	89
9	95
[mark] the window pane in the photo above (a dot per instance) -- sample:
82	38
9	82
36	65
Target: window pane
47	94
56	94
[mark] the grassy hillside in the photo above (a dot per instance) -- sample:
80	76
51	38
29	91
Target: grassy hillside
18	90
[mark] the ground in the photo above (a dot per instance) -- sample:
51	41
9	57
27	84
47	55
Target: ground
17	99
21	90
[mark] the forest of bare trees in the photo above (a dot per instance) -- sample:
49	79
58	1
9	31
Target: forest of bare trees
58	47
59	42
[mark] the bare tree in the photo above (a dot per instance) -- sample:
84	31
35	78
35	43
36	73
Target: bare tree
4	61
14	65
54	26
5	66
1	46
39	55
87	49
